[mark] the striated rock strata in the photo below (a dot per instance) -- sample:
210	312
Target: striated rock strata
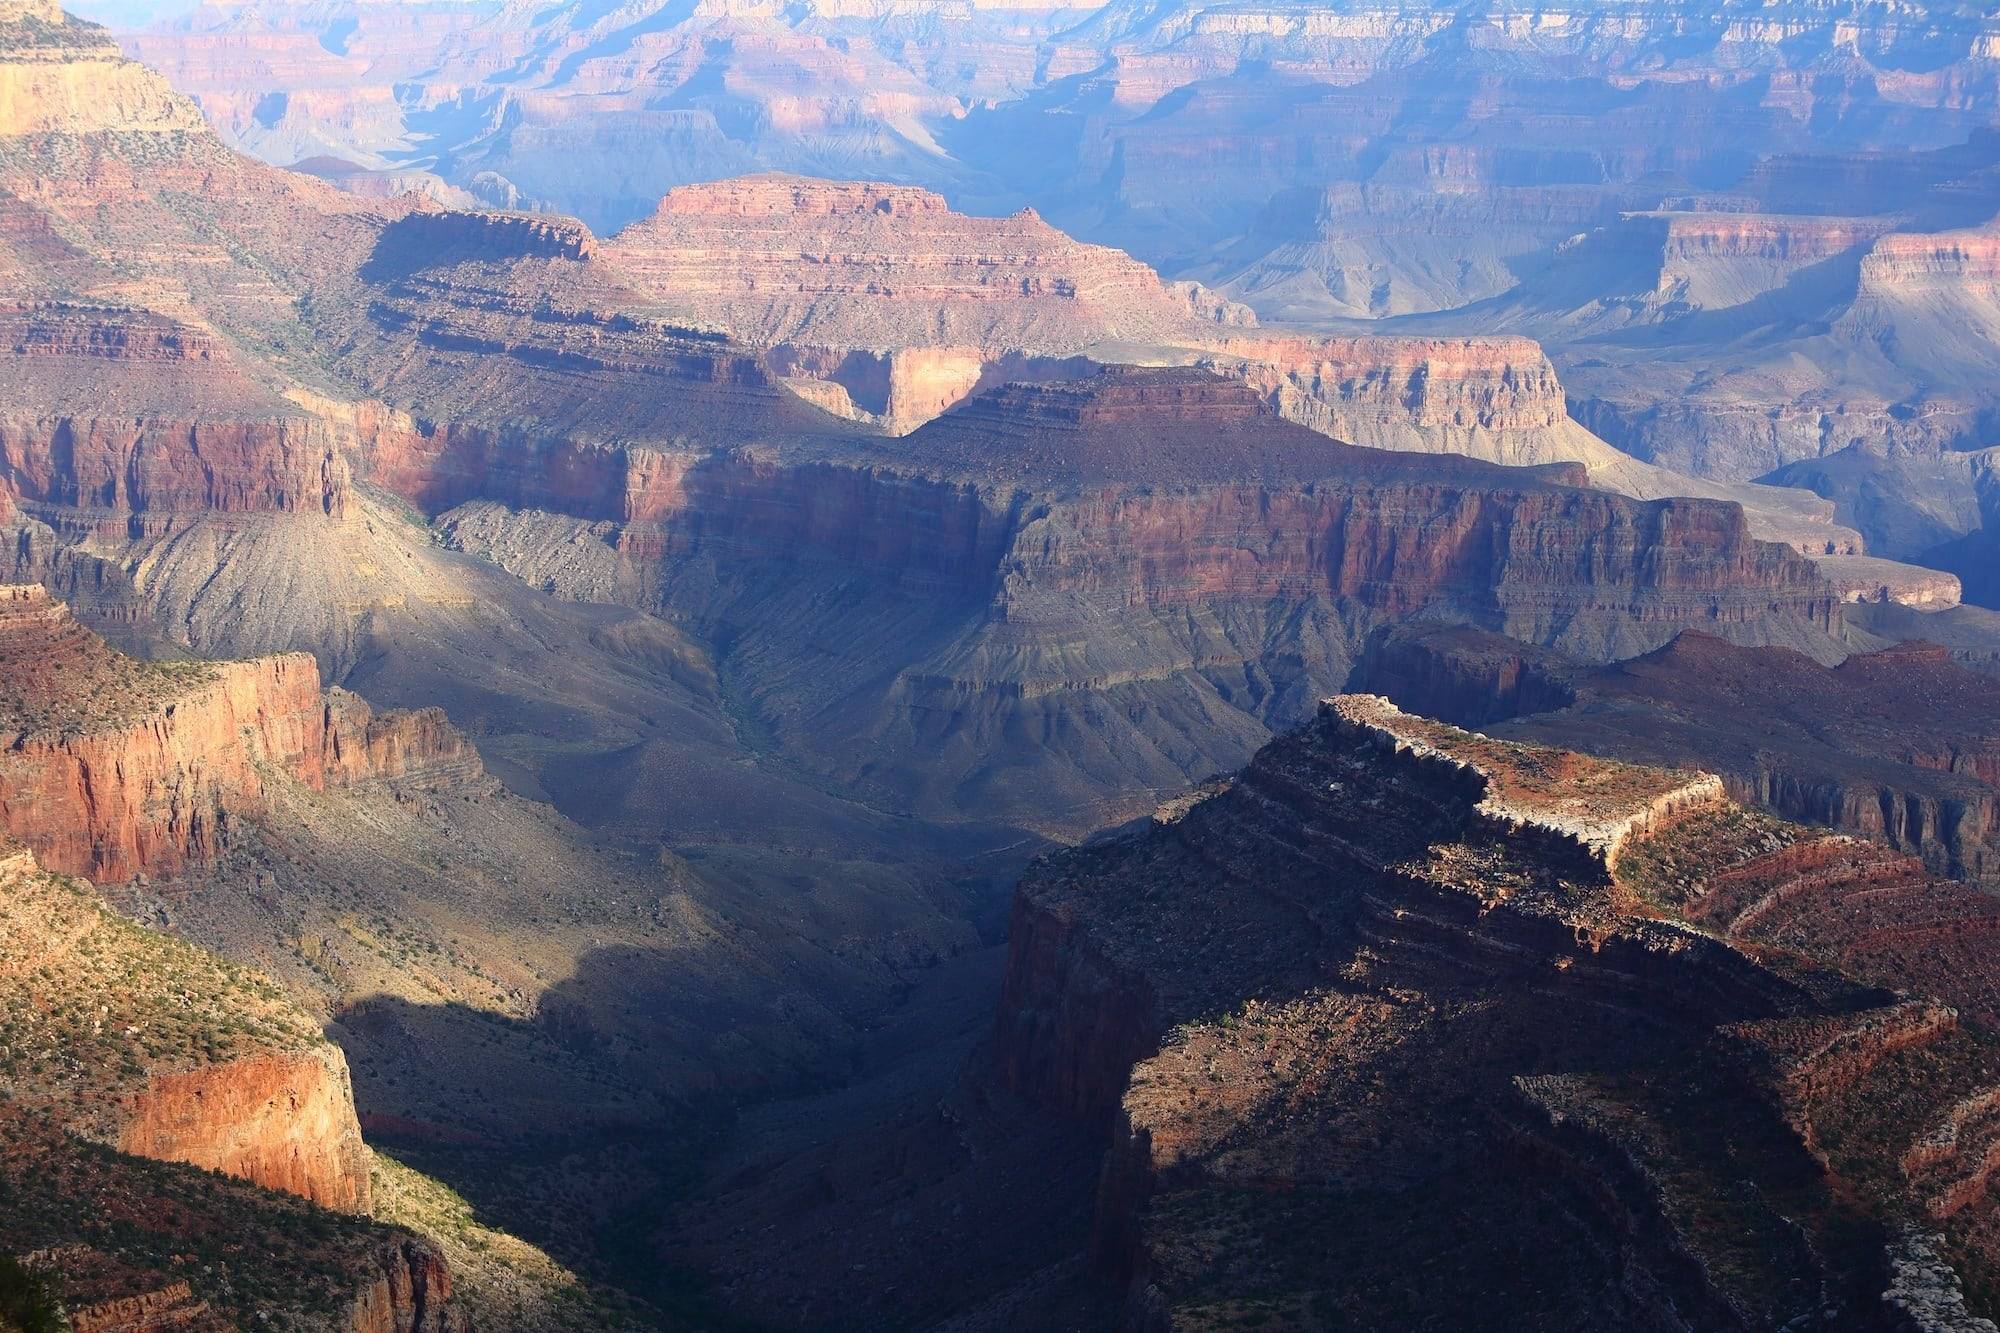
776	259
1155	538
117	767
1405	998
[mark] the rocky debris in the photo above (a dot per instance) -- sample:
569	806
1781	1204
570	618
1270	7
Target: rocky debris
130	1244
1925	1293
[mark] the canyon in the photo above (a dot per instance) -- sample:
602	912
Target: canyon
1397	969
1746	241
619	666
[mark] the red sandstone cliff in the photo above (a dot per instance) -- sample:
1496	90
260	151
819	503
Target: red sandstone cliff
118	1035
118	767
285	1121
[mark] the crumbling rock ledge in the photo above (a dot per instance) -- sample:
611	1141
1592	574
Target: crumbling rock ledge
1597	806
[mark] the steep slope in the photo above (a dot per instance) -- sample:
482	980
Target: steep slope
198	1080
885	307
179	459
1404	999
496	974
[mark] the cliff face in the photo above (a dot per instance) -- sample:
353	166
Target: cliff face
1495	384
118	767
885	304
412	1293
149	1048
283	1121
1005	539
226	1074
161	466
59	74
1395	972
773	259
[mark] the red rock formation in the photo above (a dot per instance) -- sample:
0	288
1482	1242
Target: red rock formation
416	747
410	1293
284	1121
189	466
777	259
170	1307
118	768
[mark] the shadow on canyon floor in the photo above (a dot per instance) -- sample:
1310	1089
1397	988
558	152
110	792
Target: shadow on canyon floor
878	1185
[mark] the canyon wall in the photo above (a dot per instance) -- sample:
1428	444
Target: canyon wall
1835	746
190	466
1000	545
119	767
1257	1001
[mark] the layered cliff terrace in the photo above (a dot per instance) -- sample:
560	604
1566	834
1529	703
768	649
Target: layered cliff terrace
1381	975
56	676
93	1007
1596	806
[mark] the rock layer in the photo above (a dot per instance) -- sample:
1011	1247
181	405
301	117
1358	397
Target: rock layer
118	768
1895	745
1391	972
285	1122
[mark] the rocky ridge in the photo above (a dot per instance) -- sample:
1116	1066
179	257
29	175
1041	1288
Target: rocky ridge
1813	743
1248	996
